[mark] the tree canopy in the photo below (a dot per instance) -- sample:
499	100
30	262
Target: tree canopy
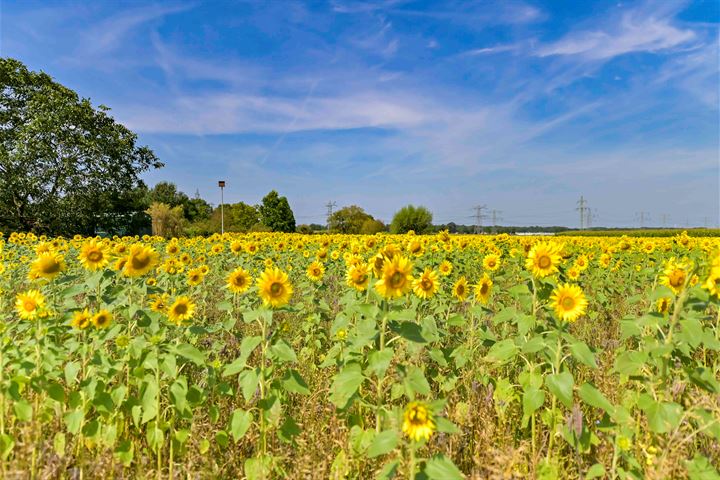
276	214
410	217
65	166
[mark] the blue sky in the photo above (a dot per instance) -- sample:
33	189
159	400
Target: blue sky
519	105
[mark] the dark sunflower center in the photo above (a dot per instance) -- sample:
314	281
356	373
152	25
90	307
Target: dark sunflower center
544	261
397	279
95	256
568	303
276	289
484	288
181	309
426	284
140	261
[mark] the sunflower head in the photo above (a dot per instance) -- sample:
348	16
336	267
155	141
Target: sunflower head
675	275
140	260
569	302
102	319
93	255
483	289
181	310
396	278
418	421
47	265
427	284
445	268
491	262
274	288
543	259
663	305
239	280
460	289
160	303
315	271
358	276
195	277
30	304
81	319
712	284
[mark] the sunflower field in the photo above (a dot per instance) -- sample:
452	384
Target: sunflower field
438	357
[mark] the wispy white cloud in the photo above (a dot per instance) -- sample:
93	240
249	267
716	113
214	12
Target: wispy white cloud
108	35
635	31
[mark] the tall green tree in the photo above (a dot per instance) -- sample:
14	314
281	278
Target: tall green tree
410	217
63	163
275	213
348	219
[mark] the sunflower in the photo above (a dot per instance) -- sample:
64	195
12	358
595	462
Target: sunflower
460	289
712	284
236	246
81	319
573	273
415	248
195	277
315	271
160	303
427	284
102	319
47	265
674	275
93	255
663	305
543	259
483	289
28	305
172	248
569	302
582	262
418	422
239	280
181	310
140	260
358	276
445	268
491	262
396	278
274	288
604	260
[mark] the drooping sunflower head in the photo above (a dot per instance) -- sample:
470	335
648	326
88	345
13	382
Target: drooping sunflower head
675	275
396	278
181	310
315	271
274	288
460	289
543	259
358	276
569	302
195	277
239	280
483	289
140	260
102	319
81	319
29	305
93	255
491	262
663	305
47	265
418	421
160	303
427	284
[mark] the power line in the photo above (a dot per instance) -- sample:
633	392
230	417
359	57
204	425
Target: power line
496	218
479	215
329	206
642	217
583	209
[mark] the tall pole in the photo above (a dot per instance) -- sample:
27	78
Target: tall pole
221	184
582	209
479	215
